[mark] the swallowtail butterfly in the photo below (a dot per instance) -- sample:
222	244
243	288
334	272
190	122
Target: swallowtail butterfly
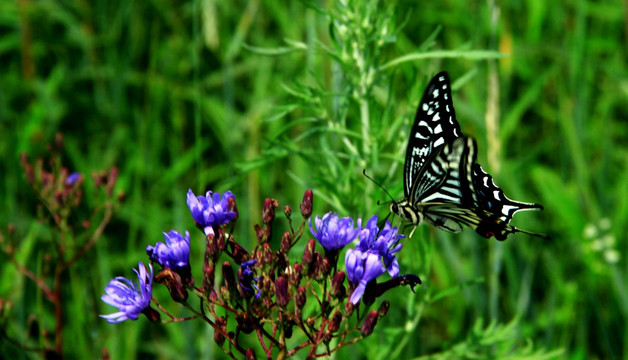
442	182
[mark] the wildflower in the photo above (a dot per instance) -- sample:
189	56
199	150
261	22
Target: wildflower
130	298
211	210
72	178
334	233
385	243
175	253
374	255
362	267
246	278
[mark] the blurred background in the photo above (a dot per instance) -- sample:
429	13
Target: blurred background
270	98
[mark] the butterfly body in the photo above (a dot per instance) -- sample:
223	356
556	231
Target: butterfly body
443	184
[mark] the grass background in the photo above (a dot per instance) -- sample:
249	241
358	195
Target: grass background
269	98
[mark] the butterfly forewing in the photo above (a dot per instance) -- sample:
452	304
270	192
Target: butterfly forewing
434	125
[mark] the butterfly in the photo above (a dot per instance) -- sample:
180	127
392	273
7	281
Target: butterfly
442	182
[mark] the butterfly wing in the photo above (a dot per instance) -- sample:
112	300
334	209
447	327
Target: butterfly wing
434	125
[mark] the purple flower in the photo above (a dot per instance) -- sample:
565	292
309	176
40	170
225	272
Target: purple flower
374	255
175	253
247	278
334	233
362	267
130	298
72	178
210	210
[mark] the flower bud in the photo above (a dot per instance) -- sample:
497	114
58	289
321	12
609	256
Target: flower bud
231	206
308	253
281	290
228	275
286	242
369	323
310	322
349	308
383	308
325	267
306	204
172	281
317	265
268	212
300	298
211	247
287	210
267	254
220	240
295	274
208	273
213	297
239	254
337	285
152	314
336	319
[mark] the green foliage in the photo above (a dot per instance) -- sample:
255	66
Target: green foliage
268	98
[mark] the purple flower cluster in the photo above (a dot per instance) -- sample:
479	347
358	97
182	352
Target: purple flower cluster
374	254
132	299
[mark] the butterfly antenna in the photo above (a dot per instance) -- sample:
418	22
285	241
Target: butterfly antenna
378	184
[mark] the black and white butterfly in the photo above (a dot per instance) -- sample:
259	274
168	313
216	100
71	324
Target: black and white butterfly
442	182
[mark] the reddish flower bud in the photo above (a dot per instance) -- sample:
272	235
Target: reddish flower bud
349	308
310	322
220	240
300	297
287	210
268	212
286	242
211	246
172	281
231	206
295	274
336	319
308	253
239	254
230	281
325	267
337	285
267	254
281	290
306	204
369	323
152	314
213	297
383	308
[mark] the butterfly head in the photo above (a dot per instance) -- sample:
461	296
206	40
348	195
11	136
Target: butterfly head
404	209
